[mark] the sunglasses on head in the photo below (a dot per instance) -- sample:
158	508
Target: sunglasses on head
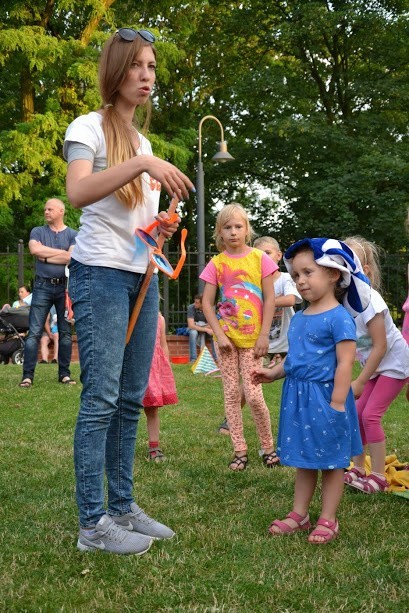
129	35
157	256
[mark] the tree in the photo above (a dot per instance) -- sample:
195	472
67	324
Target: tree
320	116
313	96
49	54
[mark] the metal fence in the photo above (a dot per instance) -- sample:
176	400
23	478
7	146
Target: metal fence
17	268
177	295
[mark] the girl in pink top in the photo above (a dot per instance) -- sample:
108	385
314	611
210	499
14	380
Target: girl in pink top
241	324
384	357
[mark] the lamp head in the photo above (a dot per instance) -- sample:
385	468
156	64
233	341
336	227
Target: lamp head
222	155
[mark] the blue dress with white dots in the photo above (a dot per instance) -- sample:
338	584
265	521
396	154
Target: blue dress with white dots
311	433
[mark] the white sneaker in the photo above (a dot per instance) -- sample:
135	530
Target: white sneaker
111	538
139	522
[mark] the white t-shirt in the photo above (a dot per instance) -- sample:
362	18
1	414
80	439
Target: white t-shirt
284	286
107	233
395	362
27	301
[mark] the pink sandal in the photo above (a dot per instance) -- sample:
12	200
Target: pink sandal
372	484
303	523
353	475
333	526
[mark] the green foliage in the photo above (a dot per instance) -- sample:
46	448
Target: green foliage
328	132
313	97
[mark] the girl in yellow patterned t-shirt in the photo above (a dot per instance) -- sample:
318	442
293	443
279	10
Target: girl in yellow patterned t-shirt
241	325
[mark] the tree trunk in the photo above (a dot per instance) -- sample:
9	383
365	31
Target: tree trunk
94	23
27	93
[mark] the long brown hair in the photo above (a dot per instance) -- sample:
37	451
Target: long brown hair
116	60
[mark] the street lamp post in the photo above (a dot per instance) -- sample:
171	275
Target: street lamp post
220	157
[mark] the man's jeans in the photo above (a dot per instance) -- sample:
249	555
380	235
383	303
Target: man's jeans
198	339
45	295
114	378
195	338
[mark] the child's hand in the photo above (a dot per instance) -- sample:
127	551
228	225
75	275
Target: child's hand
262	375
357	388
224	344
261	346
337	406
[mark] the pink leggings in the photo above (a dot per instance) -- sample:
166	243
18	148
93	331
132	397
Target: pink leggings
375	400
232	364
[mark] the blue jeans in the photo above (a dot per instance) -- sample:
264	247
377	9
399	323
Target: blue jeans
114	379
193	341
197	338
45	295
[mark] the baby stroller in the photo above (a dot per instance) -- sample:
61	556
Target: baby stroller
13	328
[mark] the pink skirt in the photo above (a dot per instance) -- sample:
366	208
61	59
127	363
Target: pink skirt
161	388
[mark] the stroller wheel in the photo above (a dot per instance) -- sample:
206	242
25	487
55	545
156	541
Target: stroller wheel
18	357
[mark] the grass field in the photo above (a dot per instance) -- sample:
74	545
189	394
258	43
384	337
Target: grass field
221	559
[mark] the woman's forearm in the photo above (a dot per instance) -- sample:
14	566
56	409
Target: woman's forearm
85	187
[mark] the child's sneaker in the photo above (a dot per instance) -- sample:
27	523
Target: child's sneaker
155	454
138	521
111	538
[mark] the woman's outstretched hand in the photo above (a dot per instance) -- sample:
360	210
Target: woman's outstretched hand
173	180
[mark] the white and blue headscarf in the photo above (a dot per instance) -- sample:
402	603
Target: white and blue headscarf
337	254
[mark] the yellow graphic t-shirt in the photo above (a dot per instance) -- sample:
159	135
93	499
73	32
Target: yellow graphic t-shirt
240	306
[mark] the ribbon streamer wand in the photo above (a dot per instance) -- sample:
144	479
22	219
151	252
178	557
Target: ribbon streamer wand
148	275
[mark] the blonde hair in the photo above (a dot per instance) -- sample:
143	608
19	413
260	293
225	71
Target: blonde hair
267	239
368	254
227	212
115	62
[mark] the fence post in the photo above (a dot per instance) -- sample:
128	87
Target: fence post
8	272
20	253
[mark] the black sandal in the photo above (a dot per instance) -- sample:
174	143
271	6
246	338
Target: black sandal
224	428
271	460
240	462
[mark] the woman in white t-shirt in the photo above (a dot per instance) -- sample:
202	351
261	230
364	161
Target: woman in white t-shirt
113	176
384	357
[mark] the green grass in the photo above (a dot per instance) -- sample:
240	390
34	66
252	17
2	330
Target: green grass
221	559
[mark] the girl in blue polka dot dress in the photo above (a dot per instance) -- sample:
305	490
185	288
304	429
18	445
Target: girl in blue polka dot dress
318	421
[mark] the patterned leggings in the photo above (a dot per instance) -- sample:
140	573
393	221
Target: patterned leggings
232	364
